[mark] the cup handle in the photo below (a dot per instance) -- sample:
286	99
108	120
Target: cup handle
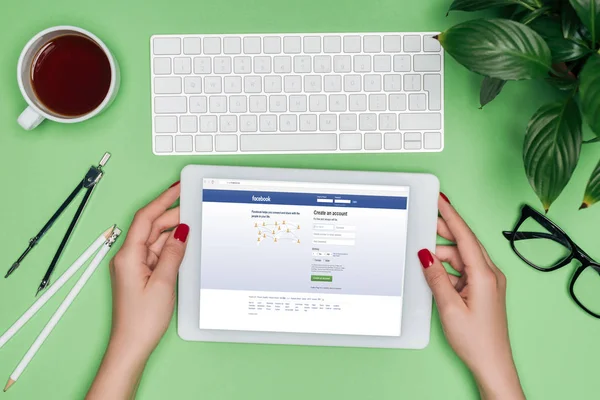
29	119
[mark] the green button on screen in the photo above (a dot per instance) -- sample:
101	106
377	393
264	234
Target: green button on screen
321	278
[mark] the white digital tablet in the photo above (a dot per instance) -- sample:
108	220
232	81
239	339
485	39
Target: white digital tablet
306	257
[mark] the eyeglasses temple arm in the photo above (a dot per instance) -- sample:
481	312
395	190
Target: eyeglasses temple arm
534	235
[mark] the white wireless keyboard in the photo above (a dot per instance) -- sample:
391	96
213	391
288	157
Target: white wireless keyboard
297	93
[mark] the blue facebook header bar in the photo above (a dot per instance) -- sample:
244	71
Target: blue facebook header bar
304	199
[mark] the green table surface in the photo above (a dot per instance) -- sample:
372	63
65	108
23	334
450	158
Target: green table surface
556	346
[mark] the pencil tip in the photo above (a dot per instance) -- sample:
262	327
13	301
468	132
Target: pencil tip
9	384
39	290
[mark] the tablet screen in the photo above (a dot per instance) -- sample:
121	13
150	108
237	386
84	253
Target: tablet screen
302	257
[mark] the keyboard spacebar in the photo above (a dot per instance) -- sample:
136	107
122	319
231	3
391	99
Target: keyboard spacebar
289	142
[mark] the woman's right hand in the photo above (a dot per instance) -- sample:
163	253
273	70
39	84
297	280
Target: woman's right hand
472	307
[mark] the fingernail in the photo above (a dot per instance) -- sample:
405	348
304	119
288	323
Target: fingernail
445	198
426	258
181	232
175	184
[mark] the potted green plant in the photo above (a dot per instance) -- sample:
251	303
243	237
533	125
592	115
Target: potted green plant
555	40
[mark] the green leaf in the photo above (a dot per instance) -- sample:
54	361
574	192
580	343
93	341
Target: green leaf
594	140
589	90
562	83
490	88
562	49
592	191
589	14
551	149
498	48
531	16
476	5
569	21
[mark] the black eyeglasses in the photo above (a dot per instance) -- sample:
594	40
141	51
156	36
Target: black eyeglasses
544	246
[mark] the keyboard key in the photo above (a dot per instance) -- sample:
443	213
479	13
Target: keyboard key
170	105
165	124
362	63
217	104
289	142
382	63
322	64
401	63
272	45
198	104
312	44
251	45
327	122
232	84
392	141
277	103
242	65
282	64
312	83
367	122
351	44
192	46
412	43
248	123
430	44
392	83
208	123
226	142
387	122
166	46
332	44
298	103
348	122
352	83
372	83
412	140
429	121
262	65
292	44
432	140
222	65
412	83
416	102
232	45
397	102
433	85
317	102
372	141
350	141
288	123
204	143
358	102
273	84
202	65
268	123
302	64
238	104
171	85
258	104
252	84
188	124
337	102
212	84
342	64
391	43
163	144
308	122
292	83
212	45
182	65
377	102
371	43
332	83
162	66
192	84
228	123
427	63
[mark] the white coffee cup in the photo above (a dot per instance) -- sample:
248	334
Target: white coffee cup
37	111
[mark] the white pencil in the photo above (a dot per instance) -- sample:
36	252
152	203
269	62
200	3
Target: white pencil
55	287
62	309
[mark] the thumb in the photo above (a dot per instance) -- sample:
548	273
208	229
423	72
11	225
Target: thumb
437	278
171	256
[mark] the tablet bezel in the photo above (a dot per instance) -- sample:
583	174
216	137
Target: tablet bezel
422	222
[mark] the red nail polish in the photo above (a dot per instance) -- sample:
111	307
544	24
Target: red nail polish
181	232
175	184
445	198
426	258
